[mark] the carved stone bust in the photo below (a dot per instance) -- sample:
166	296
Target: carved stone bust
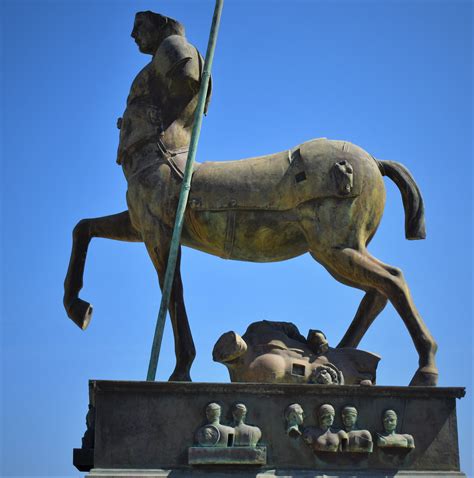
359	441
294	416
325	438
389	438
245	435
214	433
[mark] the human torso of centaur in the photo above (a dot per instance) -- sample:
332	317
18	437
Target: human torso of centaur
161	102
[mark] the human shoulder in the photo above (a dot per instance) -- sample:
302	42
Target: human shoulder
410	440
342	434
174	51
177	42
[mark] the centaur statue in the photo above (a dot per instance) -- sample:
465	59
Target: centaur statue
323	197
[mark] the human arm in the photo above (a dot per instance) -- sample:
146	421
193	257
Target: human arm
180	66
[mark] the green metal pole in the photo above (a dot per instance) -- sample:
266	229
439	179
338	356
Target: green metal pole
183	197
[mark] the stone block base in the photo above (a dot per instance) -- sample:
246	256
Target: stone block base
100	473
148	429
227	456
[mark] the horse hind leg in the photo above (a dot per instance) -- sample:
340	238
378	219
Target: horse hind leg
360	268
116	226
369	308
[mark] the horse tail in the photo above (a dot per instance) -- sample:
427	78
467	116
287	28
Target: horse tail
411	197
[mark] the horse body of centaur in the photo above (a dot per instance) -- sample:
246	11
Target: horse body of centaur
323	197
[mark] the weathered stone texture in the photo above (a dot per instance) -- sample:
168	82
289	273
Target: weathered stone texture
151	425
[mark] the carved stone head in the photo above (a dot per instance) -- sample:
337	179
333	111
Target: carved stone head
317	341
326	414
239	412
150	29
294	416
389	421
326	374
213	412
349	417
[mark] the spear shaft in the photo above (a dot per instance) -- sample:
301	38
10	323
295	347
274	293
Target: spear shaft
183	196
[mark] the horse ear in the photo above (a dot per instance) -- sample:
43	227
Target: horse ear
230	346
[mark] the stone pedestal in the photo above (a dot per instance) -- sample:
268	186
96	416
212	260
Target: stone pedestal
148	429
113	473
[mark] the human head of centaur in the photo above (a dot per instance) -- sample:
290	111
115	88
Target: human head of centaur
150	29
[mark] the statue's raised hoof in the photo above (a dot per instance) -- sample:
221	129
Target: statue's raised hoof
80	312
425	377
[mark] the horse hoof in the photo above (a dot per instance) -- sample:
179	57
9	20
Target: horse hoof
425	378
180	377
80	312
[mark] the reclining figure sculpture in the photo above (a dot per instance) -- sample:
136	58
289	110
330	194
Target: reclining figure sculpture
276	352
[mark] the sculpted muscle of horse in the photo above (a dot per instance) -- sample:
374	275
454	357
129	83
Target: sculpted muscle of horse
323	197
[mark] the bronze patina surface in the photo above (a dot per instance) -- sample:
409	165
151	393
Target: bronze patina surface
323	197
276	352
219	444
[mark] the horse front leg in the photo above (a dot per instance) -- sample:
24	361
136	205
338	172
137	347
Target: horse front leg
185	350
116	226
184	344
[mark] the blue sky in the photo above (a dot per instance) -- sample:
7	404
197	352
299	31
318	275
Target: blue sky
394	77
